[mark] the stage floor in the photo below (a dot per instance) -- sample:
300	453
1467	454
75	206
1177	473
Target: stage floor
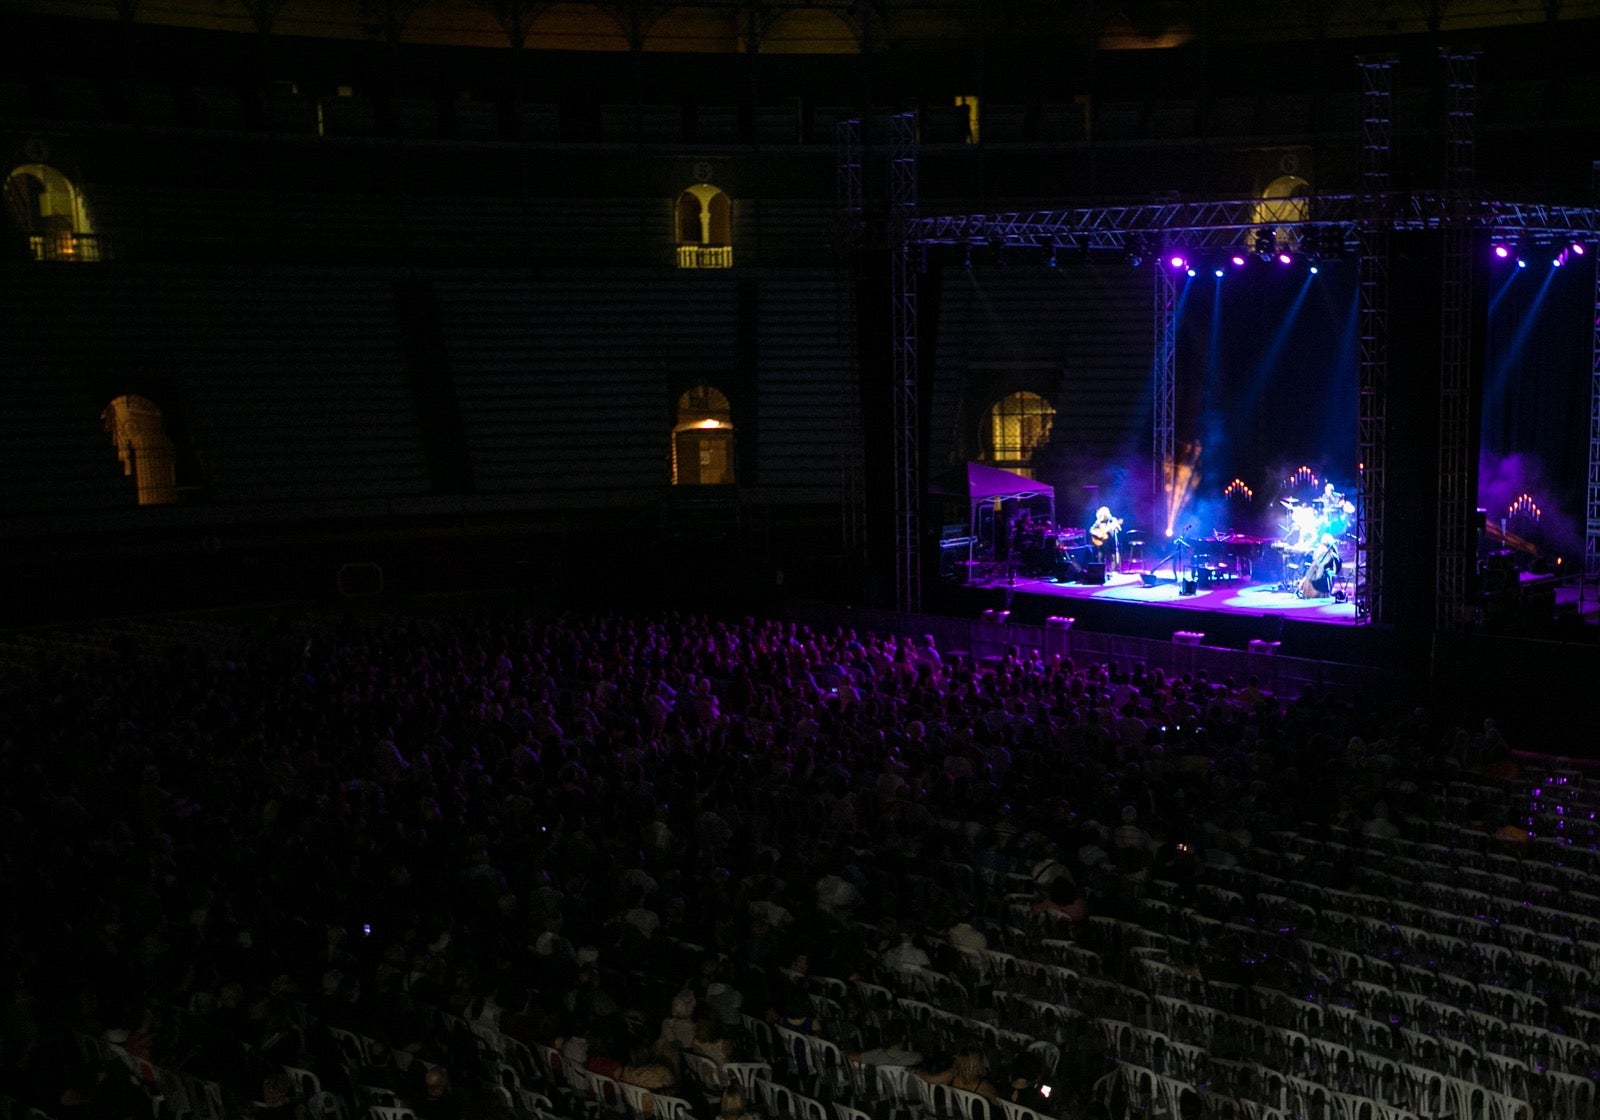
1240	597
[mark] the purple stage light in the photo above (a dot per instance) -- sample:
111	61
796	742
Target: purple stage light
1238	261
1285	258
1577	248
1177	260
1502	252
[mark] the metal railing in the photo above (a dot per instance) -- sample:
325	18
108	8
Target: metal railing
705	256
64	245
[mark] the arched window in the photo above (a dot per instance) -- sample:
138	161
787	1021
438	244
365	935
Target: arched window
50	212
702	439
1284	205
704	228
139	434
1018	426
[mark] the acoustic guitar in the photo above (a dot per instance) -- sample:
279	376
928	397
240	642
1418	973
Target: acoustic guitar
1102	531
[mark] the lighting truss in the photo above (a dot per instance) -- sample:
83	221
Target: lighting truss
1227	224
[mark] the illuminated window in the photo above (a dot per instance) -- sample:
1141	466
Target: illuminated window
704	228
1283	206
1018	426
702	439
50	212
970	104
139	434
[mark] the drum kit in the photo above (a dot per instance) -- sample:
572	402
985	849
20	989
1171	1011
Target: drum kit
1310	546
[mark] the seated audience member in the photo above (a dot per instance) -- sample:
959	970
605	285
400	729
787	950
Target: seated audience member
963	935
646	1070
734	1106
894	1047
380	1071
968	1072
677	1030
712	1040
1028	1088
906	954
1063	901
277	1100
438	1100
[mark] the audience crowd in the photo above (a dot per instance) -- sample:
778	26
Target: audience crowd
637	841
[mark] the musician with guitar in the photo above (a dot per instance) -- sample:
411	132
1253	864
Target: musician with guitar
1103	536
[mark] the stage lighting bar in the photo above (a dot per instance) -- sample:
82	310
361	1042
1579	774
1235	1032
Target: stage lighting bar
1224	225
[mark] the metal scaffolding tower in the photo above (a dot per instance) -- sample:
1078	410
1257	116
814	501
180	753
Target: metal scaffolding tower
1453	529
848	244
1372	375
903	363
1163	450
1591	536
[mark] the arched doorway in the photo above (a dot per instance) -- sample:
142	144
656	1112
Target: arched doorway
702	439
1018	425
139	433
50	212
1285	203
704	228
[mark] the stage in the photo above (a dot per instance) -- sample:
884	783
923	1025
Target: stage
1231	612
1243	596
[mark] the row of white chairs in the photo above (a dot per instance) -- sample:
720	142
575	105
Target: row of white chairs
1270	1095
1430	1069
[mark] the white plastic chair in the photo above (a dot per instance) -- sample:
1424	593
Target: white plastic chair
705	1071
306	1083
1571	1096
1426	1091
1349	1106
826	1062
1011	1110
384	1112
640	1101
605	1092
896	1083
1047	1053
933	1100
970	1106
671	1108
352	1046
777	1100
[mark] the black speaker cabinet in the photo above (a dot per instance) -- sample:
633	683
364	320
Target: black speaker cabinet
1094	573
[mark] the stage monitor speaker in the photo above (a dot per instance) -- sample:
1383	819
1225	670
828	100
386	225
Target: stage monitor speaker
1147	578
1189	588
1094	573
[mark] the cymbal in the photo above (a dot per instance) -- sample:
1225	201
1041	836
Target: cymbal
1288	503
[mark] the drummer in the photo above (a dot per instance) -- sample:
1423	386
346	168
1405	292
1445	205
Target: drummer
1333	511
